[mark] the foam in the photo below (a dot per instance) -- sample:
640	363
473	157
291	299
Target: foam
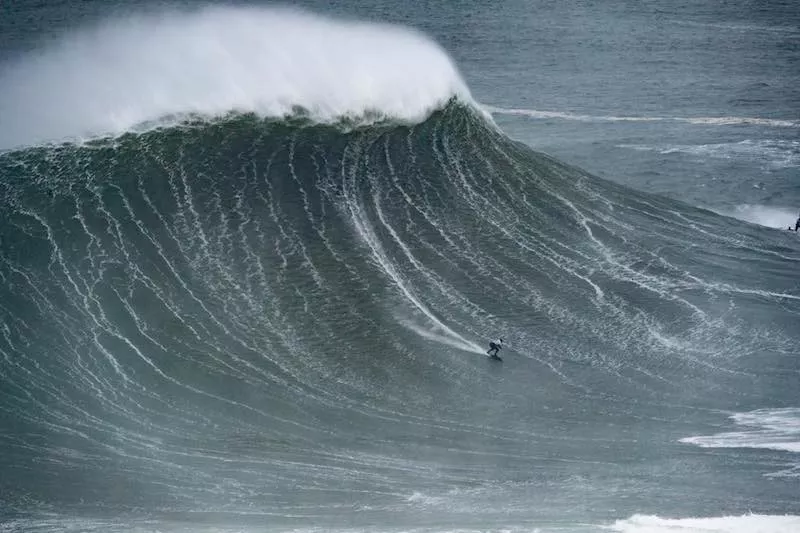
751	523
774	429
165	65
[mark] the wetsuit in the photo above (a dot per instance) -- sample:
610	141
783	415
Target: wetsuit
495	347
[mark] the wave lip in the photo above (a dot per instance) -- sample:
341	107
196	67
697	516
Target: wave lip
217	60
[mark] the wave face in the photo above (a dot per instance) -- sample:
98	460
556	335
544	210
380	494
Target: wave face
251	322
245	315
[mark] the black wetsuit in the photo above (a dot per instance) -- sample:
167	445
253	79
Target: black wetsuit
494	347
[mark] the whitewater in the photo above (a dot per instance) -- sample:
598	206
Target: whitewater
251	258
161	68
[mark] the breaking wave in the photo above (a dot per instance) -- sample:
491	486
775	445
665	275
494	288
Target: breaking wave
161	68
240	318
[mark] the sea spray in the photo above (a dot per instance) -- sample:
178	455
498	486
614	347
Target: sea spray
156	68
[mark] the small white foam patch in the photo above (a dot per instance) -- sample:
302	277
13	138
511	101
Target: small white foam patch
774	429
771	217
751	523
422	499
143	70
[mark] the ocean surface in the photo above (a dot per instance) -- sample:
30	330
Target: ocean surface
251	257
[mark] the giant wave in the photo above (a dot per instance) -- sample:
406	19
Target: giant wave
243	317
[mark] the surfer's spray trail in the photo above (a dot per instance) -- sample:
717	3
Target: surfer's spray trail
271	300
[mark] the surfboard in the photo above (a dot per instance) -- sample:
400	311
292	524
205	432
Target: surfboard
495	357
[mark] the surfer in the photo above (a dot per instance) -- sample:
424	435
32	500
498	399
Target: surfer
494	347
797	224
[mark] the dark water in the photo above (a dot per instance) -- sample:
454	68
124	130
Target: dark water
240	323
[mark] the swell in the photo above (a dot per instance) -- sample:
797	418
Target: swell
206	314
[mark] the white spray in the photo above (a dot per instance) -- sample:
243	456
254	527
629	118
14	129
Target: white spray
145	70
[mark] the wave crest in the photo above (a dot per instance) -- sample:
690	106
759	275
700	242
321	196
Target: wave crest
216	60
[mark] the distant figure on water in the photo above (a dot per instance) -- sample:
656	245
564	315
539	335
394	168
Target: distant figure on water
494	347
797	224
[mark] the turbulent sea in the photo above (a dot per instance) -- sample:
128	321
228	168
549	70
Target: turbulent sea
251	259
